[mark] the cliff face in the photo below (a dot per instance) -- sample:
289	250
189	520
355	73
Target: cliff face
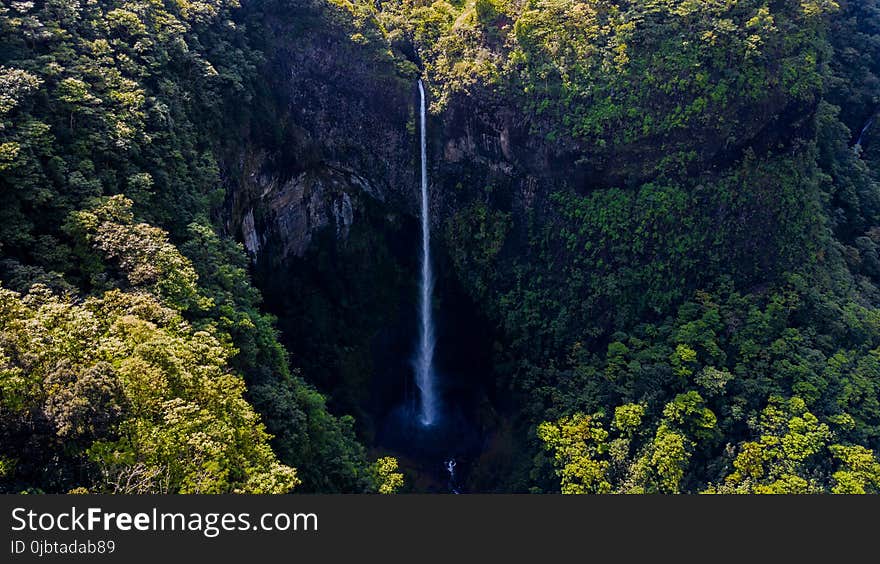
335	129
282	217
343	146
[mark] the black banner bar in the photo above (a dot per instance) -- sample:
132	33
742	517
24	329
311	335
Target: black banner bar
422	528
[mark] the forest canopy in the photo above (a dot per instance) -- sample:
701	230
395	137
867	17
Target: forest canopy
666	212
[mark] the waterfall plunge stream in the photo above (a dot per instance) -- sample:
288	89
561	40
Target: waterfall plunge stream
424	362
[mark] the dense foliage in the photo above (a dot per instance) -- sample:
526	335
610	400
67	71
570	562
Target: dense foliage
677	248
104	98
131	397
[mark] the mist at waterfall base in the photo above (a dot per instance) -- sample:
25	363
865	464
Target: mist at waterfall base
456	432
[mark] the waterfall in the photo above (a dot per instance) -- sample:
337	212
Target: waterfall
424	363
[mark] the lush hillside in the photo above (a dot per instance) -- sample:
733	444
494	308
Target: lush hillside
139	337
686	290
656	223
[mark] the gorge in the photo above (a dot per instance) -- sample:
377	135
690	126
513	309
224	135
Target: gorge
458	246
